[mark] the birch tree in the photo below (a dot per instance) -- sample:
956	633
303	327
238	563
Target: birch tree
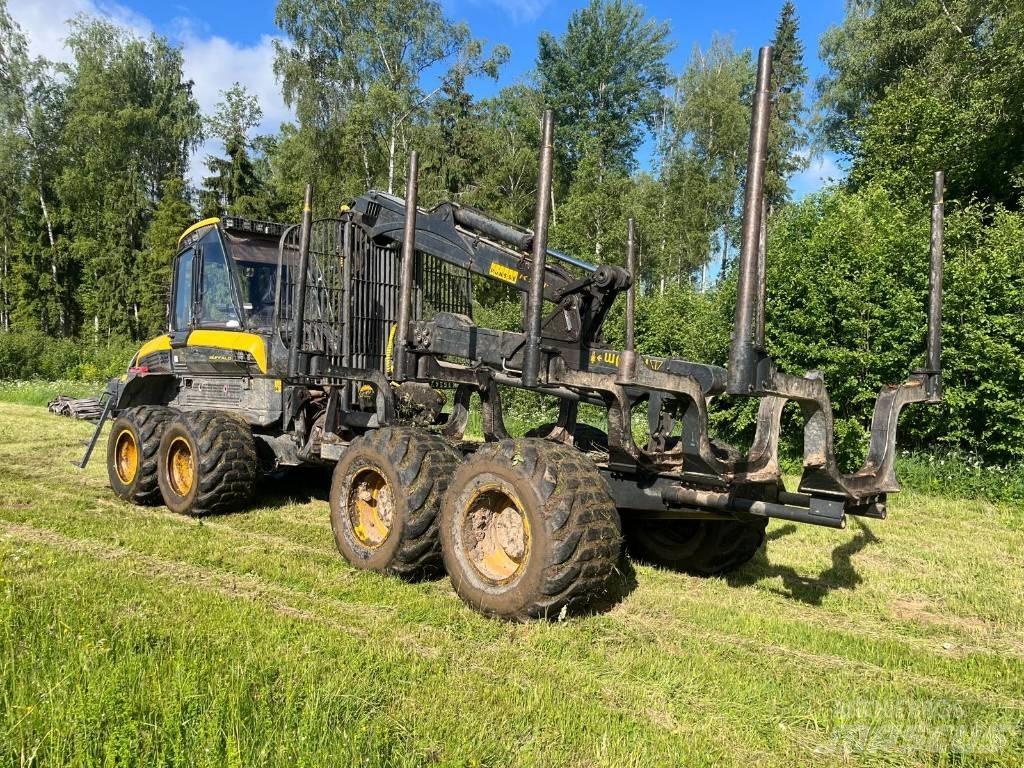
356	73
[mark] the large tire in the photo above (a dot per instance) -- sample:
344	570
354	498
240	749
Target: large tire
529	530
698	547
207	463
385	497
132	453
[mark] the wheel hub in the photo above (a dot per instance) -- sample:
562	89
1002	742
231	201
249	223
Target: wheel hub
181	466
126	457
371	507
496	533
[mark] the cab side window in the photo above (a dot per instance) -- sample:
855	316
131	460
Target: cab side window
181	317
217	302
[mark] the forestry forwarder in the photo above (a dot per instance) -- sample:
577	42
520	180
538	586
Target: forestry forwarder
331	341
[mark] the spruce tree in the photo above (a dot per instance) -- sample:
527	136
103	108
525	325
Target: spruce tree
130	123
233	184
787	136
171	216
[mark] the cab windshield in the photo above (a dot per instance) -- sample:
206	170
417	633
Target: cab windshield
255	263
217	307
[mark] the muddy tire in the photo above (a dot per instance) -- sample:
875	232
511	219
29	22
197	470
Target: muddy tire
698	547
206	463
132	453
529	530
385	498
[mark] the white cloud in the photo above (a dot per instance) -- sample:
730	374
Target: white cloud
823	170
45	23
212	62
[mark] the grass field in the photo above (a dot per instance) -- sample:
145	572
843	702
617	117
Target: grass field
42	392
132	636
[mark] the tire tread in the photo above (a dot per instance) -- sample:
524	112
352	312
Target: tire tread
579	516
698	547
424	463
228	461
149	422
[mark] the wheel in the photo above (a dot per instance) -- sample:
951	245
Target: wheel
132	453
699	547
385	496
207	463
529	530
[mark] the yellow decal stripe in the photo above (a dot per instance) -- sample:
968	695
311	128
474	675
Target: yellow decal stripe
234	340
159	344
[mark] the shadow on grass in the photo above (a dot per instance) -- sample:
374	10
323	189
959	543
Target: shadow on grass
299	485
620	585
807	589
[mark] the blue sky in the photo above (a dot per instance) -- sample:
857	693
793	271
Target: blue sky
228	41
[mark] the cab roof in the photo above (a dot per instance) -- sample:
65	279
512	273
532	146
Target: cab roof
239	226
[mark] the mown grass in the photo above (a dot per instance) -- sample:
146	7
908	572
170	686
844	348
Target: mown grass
41	392
132	636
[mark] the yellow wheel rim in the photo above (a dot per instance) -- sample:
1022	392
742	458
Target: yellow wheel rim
181	466
126	456
496	533
371	507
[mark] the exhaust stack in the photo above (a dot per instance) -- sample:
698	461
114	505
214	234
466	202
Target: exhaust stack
743	354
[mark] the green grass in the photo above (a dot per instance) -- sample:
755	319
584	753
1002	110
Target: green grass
39	392
131	636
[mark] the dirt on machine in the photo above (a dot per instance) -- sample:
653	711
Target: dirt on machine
349	341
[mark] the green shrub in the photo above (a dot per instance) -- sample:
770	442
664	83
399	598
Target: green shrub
847	283
959	475
505	314
32	355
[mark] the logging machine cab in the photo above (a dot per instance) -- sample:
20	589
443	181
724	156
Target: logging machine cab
224	280
225	276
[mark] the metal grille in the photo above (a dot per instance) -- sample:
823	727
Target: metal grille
368	306
209	393
375	273
441	287
324	326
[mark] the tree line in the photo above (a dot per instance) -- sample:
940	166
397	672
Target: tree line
94	164
94	177
911	86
